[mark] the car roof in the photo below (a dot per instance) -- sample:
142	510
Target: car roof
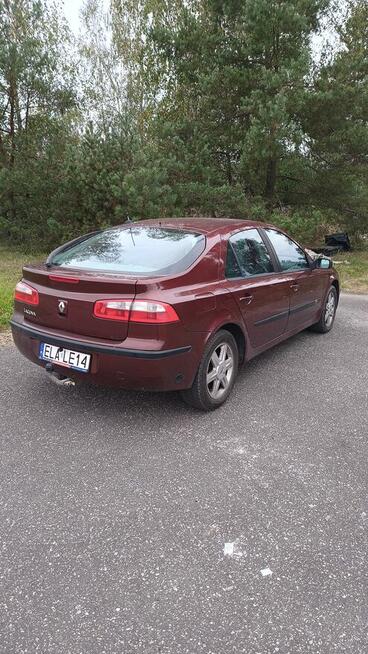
204	225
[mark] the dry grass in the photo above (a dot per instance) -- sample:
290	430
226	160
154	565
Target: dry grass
11	263
353	270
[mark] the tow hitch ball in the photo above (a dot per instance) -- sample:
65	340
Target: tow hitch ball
59	380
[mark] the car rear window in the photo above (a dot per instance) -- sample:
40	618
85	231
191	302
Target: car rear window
134	250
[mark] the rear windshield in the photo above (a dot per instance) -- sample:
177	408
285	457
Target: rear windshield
133	250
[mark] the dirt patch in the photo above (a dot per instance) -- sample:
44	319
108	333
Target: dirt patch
6	338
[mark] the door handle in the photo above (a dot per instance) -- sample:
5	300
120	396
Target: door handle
295	286
246	299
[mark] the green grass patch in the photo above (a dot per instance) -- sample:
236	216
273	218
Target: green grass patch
11	263
353	270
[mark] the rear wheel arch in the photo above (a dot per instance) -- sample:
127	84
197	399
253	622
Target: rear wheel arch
240	339
200	395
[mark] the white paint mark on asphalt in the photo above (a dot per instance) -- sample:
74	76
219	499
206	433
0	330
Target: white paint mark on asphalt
233	549
229	549
266	572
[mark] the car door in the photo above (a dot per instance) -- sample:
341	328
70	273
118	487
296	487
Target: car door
261	293
306	288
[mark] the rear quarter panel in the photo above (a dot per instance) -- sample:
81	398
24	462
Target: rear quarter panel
200	298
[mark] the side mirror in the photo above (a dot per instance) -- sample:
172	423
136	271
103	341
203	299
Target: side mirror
323	262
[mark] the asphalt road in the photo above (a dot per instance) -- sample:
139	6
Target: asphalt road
115	509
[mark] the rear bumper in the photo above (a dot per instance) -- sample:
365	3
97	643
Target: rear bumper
114	365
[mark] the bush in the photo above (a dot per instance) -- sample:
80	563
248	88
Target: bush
308	227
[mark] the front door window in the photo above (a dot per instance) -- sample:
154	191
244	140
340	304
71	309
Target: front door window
290	255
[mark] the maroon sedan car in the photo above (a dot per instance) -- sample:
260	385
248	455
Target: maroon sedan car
168	305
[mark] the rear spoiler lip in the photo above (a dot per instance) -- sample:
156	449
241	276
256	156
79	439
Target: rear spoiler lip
83	274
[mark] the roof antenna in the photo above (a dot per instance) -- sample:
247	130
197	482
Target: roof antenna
128	219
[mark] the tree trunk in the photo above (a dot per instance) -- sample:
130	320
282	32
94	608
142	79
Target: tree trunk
229	170
271	174
12	95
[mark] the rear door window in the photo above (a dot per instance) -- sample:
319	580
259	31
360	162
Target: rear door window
247	255
143	250
290	255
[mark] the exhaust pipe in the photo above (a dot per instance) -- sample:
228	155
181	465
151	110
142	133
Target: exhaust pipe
58	379
66	382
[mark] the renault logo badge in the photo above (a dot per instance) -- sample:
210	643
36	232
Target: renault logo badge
62	307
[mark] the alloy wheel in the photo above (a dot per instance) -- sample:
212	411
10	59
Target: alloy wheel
220	370
330	308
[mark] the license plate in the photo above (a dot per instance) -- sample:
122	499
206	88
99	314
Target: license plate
63	357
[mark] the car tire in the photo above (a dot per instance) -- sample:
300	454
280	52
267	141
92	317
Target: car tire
328	313
216	373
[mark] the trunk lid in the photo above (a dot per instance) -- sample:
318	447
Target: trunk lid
78	291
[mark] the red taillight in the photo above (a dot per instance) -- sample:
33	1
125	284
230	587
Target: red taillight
113	309
25	293
152	312
146	311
